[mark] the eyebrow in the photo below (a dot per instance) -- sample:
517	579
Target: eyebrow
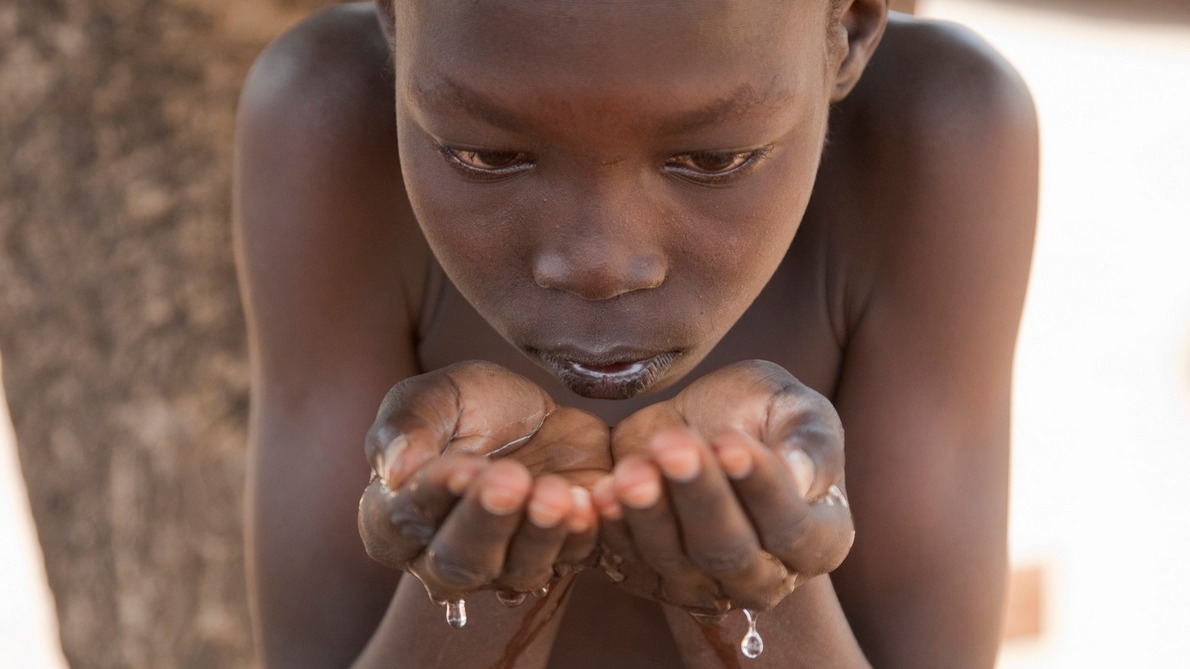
739	102
453	93
744	99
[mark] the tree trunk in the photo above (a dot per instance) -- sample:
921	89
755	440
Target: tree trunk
124	356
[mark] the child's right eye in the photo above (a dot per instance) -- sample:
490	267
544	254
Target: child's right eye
487	164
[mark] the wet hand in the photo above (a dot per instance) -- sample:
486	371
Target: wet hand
481	482
728	495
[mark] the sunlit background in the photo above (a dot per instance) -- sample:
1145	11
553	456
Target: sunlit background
1101	475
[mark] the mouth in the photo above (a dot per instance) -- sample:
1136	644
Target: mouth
614	377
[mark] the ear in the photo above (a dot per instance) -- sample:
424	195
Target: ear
384	14
856	35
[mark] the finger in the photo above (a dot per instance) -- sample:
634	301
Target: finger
718	536
617	557
656	536
769	403
397	526
809	437
631	436
413	425
470	407
808	538
582	533
469	550
530	560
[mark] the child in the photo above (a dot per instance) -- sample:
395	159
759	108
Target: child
565	230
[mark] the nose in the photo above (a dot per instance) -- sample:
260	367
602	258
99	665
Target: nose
600	256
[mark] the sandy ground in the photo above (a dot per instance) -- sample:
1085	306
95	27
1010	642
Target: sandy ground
1102	433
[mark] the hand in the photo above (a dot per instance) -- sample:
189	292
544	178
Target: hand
727	496
464	456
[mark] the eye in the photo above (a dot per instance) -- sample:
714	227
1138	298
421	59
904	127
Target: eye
714	167
483	163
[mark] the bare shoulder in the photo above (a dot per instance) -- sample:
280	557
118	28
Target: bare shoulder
321	69
929	77
941	138
323	224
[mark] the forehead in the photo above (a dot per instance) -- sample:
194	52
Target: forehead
746	51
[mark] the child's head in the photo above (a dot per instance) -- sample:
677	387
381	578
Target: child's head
611	183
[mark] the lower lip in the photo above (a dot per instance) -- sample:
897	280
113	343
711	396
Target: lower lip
609	382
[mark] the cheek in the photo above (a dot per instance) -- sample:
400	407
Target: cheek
469	230
738	239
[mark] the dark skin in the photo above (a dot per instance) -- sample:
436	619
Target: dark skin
607	199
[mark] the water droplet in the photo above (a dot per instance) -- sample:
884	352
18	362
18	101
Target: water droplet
752	645
456	613
511	598
610	564
543	590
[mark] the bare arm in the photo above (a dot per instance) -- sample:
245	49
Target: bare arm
322	265
925	390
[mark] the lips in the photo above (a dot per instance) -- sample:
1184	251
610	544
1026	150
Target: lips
612	377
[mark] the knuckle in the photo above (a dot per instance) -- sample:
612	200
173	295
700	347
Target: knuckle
457	571
726	560
409	525
787	535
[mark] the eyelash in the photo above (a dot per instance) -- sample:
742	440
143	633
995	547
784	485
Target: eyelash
739	162
458	159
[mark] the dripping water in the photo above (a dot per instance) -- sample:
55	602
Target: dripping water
456	613
752	645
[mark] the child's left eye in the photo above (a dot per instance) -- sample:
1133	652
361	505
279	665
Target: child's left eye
484	163
714	166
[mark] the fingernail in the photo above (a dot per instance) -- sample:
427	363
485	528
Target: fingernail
679	461
603	496
582	511
641	491
734	458
499	500
387	459
543	514
802	468
405	464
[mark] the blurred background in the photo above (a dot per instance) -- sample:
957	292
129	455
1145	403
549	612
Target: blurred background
120	328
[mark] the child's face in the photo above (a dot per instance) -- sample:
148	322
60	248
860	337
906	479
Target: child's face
611	184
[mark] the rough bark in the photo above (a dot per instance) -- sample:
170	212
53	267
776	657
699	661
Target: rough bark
120	322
